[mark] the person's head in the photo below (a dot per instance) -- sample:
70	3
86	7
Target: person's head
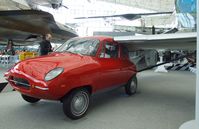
48	37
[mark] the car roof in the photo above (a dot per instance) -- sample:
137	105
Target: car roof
101	38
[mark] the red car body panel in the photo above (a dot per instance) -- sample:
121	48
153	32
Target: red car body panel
79	70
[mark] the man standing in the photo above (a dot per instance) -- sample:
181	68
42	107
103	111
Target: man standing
45	46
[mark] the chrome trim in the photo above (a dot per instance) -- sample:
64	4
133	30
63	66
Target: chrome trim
19	82
41	88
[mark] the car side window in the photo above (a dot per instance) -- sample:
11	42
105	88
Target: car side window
125	52
109	50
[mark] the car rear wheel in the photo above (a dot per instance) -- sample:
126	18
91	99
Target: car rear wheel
131	86
30	99
75	105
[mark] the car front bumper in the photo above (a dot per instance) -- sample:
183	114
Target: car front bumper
27	85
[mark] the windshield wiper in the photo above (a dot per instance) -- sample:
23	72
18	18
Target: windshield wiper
74	53
68	51
79	54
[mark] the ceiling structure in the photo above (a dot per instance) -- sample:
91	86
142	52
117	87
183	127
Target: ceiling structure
155	5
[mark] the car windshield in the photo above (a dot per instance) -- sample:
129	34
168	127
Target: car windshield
83	46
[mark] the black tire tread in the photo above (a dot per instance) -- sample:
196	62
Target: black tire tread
127	86
29	99
67	102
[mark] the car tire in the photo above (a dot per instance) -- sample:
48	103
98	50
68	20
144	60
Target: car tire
30	99
75	105
131	86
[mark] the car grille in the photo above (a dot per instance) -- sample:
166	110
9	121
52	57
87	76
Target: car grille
20	82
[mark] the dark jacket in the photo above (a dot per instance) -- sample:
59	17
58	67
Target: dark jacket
45	47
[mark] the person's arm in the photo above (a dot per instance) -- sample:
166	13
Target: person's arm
50	48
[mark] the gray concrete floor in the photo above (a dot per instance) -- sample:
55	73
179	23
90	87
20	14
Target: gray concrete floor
163	101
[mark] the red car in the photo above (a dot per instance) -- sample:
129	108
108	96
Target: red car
77	69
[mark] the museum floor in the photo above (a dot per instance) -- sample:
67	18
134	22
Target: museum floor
163	101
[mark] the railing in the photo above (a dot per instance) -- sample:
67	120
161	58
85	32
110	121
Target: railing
8	60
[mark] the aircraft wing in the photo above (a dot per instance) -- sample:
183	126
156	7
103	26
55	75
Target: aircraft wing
127	16
21	24
160	41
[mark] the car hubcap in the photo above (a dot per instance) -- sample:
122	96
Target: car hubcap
133	86
80	103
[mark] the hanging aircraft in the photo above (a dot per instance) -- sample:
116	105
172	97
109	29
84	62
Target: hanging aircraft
18	21
160	41
178	41
129	16
24	25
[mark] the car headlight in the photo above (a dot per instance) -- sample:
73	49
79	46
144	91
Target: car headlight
53	73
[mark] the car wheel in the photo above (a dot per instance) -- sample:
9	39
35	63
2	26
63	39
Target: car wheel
30	99
75	105
131	86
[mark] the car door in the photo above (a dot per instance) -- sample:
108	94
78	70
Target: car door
127	67
110	65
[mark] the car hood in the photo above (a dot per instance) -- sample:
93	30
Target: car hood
40	66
